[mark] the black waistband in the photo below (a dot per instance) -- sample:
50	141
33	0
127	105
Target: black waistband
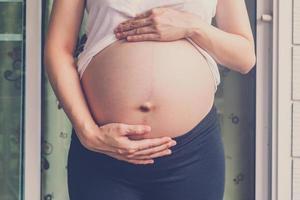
201	129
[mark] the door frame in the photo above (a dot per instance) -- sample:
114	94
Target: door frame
264	105
282	159
32	111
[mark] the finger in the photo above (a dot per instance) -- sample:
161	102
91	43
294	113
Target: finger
153	150
173	5
132	146
141	161
132	24
142	37
137	31
151	11
99	147
147	13
149	143
156	155
136	129
136	137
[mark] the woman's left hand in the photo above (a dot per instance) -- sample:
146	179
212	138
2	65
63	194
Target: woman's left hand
159	24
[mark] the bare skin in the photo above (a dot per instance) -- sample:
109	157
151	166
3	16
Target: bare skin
225	44
138	83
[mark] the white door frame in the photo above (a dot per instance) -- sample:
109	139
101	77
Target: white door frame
264	104
32	110
282	100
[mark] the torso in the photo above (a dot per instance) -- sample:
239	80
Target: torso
173	78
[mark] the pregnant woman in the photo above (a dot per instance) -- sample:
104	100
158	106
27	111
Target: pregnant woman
140	96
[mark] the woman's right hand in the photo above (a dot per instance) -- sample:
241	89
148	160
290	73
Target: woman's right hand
114	140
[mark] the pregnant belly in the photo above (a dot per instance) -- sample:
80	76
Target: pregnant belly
166	85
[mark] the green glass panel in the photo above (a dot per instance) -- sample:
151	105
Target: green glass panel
11	14
11	99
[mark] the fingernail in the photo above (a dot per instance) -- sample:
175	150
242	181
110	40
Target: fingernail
169	151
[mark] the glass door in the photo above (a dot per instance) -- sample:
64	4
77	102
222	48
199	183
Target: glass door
236	102
11	98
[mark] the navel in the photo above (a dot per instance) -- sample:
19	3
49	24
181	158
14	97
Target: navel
146	107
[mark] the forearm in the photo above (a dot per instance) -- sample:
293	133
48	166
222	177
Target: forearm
231	50
64	79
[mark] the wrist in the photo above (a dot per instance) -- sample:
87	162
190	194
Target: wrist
88	133
195	25
190	32
86	128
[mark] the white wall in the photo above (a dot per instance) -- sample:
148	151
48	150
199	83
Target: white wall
286	96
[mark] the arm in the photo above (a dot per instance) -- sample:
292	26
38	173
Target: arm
113	138
60	64
231	44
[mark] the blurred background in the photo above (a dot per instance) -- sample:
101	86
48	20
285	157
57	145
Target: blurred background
235	99
244	103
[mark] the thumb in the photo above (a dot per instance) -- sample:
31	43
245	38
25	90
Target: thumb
137	129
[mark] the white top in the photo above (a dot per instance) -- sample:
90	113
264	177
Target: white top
105	15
